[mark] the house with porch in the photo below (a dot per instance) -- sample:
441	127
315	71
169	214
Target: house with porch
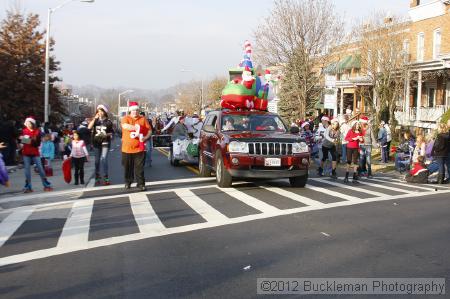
426	56
427	86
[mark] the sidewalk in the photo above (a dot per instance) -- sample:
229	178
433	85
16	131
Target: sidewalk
17	180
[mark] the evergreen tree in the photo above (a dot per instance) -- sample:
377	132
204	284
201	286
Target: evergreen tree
22	69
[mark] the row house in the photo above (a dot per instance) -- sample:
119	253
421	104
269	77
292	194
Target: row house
427	88
426	51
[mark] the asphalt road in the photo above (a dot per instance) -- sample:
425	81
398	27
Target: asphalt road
186	238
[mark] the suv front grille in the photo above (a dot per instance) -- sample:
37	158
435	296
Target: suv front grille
269	148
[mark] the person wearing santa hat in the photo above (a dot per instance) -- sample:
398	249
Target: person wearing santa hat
30	141
354	138
136	131
103	131
365	147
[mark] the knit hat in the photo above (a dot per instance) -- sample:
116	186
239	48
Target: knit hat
305	124
364	119
325	118
103	107
30	119
133	106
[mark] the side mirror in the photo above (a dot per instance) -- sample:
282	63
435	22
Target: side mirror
295	130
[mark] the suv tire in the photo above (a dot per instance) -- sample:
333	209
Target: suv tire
223	178
298	181
203	170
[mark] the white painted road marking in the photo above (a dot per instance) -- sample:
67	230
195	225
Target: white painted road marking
11	223
76	230
150	227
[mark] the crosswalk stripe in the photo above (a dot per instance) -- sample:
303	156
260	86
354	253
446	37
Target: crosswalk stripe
76	230
385	187
291	195
349	187
250	200
11	223
437	185
145	215
334	193
408	186
201	207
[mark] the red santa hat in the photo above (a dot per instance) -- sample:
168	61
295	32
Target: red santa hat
30	119
103	107
364	119
267	72
305	124
247	69
325	118
133	106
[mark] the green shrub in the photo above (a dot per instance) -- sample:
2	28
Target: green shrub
445	117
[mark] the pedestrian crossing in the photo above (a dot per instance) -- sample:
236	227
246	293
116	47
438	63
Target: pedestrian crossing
114	219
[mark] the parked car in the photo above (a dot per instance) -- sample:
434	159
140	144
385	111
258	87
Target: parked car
251	144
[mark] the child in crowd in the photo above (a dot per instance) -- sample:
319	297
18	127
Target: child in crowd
419	173
79	154
47	151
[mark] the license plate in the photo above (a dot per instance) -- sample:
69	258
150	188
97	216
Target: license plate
271	162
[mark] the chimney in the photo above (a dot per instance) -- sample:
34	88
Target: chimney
414	3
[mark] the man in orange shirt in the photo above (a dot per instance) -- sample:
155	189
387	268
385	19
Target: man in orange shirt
135	133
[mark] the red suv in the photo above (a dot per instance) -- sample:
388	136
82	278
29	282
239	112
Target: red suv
251	144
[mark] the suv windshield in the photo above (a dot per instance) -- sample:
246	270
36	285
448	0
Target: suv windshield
253	123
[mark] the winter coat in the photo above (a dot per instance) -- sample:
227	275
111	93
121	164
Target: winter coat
31	148
353	143
179	132
441	145
48	150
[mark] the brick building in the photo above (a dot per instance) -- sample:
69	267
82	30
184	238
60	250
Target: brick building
426	52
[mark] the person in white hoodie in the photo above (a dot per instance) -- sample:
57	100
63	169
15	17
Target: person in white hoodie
319	136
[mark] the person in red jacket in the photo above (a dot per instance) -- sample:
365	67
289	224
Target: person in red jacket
31	140
354	137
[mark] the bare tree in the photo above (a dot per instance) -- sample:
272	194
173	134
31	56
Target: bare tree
384	62
296	36
215	88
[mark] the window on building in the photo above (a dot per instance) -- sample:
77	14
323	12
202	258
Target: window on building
431	97
436	43
420	46
406	50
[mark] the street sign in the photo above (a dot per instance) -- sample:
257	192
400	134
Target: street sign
330	98
330	81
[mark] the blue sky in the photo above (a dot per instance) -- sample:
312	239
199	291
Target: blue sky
145	43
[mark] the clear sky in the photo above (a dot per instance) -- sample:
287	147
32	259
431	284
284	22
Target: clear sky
145	43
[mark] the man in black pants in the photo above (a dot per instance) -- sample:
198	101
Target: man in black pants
135	133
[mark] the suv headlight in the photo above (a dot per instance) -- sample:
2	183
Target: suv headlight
238	147
300	147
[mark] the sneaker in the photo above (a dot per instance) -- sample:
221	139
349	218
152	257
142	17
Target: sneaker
127	186
48	189
355	177
27	190
320	171
98	181
106	181
142	188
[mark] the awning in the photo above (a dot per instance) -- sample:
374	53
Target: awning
330	69
349	62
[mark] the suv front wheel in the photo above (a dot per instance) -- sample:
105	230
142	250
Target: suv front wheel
223	178
298	181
